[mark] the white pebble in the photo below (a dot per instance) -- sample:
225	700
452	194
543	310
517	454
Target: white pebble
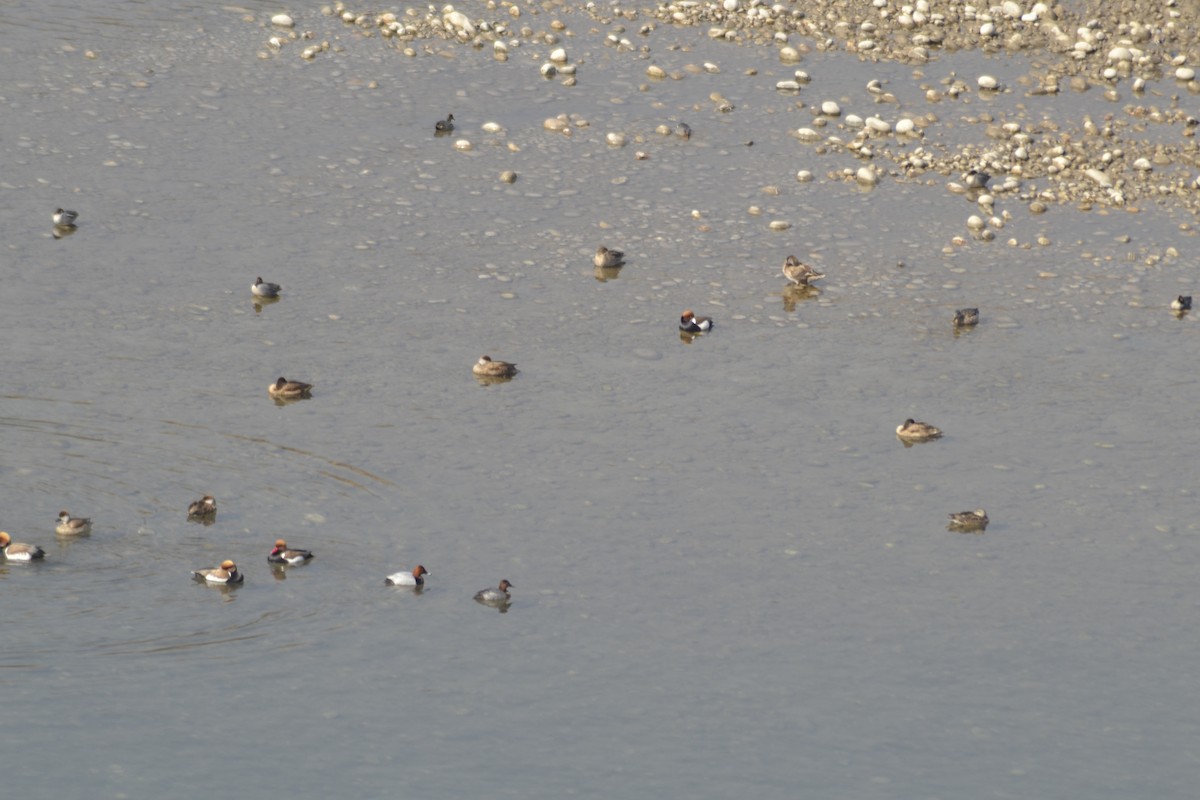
831	109
905	125
866	176
787	86
615	139
779	225
492	127
548	70
789	55
283	21
558	55
1185	73
878	125
804	176
987	82
975	222
462	144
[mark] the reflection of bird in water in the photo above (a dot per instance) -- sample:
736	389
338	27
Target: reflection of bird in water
800	273
794	293
605	274
975	520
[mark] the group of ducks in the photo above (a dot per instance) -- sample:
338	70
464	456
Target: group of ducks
227	573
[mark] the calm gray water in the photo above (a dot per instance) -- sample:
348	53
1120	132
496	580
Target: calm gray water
730	578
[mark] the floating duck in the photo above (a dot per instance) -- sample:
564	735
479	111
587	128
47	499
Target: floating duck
413	578
16	551
495	597
975	520
608	258
282	555
68	525
261	288
225	574
485	367
690	323
800	273
204	507
966	317
64	218
917	431
1182	303
444	125
283	389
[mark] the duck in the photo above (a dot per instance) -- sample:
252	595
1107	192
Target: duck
64	218
1182	303
608	258
204	507
495	597
261	288
683	130
225	574
16	551
800	273
444	125
915	431
966	317
975	520
282	555
69	525
487	368
283	389
690	323
402	578
976	179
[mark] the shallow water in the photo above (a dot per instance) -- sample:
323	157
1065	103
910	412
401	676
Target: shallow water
729	575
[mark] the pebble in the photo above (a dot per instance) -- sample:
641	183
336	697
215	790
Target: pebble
1185	73
508	176
283	21
779	225
615	139
831	109
988	82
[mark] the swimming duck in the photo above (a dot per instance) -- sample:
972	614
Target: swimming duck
683	130
72	525
966	317
608	258
1182	303
282	555
261	288
494	597
444	125
225	574
690	323
283	389
64	218
407	578
800	273
917	431
487	368
204	507
16	551
975	520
